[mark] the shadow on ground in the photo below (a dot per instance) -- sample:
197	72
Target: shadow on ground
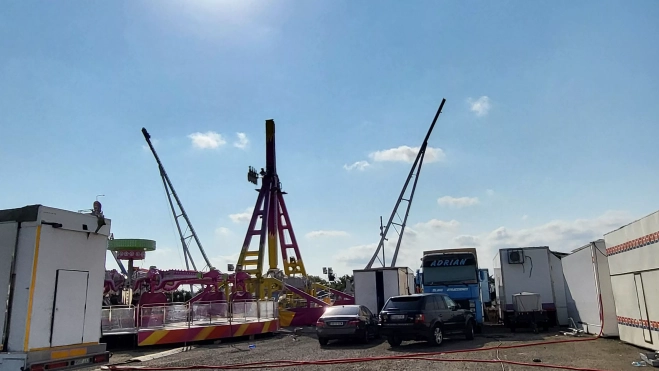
353	344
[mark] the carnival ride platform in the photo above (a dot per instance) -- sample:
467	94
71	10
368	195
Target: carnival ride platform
174	323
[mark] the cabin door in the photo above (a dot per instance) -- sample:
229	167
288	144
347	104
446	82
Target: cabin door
643	308
68	324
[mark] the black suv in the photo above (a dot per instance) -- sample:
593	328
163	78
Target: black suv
424	317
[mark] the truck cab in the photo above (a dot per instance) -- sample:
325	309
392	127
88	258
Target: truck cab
454	272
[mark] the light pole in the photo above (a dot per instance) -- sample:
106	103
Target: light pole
330	273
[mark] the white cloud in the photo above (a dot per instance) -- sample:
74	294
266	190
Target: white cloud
223	231
357	256
359	165
458	202
480	106
524	217
437	224
207	140
242	217
242	141
317	234
559	235
467	241
407	154
490	192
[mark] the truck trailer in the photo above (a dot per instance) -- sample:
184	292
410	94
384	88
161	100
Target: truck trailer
590	300
633	254
52	268
531	270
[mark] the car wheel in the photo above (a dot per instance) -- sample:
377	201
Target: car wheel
437	336
366	337
469	331
323	341
394	341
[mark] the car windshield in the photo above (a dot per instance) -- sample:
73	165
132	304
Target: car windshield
449	269
449	275
404	303
341	311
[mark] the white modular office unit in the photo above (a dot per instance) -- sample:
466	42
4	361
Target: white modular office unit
51	309
633	254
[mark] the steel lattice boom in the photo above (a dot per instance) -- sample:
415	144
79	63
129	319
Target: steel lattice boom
415	172
275	221
169	189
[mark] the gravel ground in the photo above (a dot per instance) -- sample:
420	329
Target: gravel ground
603	354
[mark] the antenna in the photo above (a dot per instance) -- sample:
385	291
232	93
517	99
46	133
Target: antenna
414	171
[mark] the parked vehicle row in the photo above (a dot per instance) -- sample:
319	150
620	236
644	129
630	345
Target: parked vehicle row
424	317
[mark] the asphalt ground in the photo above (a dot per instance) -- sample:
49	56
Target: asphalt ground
602	354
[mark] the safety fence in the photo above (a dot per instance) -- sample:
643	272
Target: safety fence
127	319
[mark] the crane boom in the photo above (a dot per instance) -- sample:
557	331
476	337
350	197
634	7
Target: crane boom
418	162
169	189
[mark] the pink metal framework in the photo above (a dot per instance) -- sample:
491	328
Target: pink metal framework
275	221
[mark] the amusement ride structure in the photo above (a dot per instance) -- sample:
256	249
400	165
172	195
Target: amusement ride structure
286	295
303	301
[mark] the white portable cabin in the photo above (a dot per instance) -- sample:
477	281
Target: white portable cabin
374	286
50	313
534	270
633	252
590	300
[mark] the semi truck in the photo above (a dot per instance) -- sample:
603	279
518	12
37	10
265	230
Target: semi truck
454	272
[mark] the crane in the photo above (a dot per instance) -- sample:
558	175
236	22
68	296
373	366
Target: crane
179	212
415	171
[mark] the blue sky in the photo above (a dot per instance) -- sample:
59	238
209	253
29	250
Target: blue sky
547	136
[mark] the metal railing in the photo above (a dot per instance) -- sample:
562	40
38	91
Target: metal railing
118	319
121	319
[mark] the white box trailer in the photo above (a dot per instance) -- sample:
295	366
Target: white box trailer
374	286
535	270
52	267
590	300
633	254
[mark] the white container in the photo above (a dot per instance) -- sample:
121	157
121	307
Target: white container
531	269
590	300
374	286
54	303
633	254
